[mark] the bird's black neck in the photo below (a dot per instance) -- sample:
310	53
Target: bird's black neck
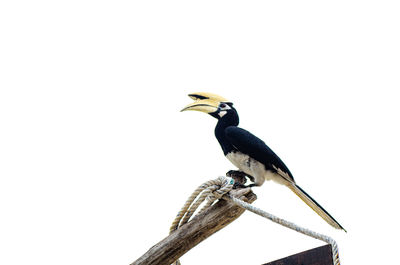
229	119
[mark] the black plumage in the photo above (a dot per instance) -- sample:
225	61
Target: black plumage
251	145
234	140
249	153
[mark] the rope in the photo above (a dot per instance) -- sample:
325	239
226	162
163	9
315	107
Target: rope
293	226
211	190
219	188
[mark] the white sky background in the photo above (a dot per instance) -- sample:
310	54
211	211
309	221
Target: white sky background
96	159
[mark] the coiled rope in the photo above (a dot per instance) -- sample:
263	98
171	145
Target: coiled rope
218	188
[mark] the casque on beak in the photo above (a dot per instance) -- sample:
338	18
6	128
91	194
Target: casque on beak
204	102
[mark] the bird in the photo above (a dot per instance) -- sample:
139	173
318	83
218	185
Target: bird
249	153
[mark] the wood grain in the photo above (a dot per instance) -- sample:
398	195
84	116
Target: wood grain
198	229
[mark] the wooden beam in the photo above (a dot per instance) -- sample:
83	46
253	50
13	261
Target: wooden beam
198	229
316	256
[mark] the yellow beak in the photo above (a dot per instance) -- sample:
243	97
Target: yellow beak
204	102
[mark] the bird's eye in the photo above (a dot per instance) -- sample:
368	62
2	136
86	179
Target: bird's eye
222	105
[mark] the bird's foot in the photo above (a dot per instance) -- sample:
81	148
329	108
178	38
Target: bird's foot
251	178
240	178
238	186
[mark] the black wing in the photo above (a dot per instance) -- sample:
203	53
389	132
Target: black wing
250	144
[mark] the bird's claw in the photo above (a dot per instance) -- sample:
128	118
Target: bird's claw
240	179
239	186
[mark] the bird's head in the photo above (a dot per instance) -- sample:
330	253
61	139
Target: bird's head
213	104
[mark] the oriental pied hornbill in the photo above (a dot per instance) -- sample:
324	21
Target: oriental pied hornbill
247	152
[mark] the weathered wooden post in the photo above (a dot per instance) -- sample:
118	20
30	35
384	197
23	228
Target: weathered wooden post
219	215
198	229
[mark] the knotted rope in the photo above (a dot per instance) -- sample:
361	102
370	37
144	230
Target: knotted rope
219	188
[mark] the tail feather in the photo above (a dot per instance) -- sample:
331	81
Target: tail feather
315	206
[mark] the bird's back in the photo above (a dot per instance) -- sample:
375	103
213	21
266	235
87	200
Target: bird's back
249	144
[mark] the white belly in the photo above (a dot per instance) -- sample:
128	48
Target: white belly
254	168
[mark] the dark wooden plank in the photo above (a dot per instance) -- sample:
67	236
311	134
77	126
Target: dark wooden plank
316	256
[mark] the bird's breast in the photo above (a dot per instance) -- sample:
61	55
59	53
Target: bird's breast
248	165
253	168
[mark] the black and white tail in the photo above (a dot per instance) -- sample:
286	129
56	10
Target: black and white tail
315	206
